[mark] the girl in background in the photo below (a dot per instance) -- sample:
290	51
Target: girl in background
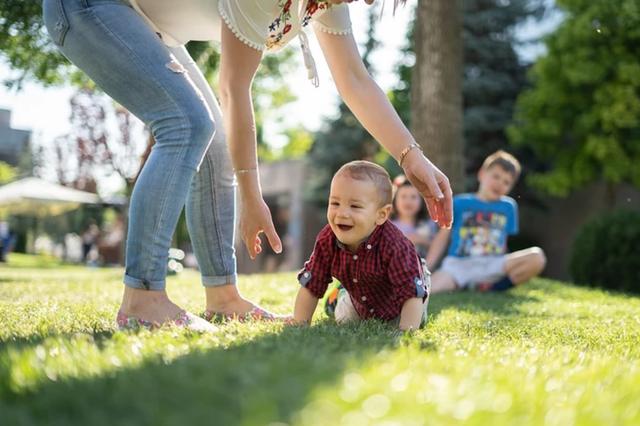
410	215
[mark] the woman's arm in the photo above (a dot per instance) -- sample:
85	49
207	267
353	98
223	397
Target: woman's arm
374	111
238	65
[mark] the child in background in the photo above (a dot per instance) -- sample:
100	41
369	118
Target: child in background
409	214
477	257
382	275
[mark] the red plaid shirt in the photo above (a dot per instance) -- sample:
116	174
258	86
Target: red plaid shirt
380	276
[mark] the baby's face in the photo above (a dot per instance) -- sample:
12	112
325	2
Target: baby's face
495	182
354	210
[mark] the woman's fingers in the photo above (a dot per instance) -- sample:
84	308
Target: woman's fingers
273	238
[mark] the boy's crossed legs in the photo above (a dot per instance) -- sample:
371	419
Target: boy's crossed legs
519	266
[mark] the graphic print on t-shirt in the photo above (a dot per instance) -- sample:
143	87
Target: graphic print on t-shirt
481	234
480	228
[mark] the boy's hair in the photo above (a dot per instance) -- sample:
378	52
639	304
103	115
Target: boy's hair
506	161
366	170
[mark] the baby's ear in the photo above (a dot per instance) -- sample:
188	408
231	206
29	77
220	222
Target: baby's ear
383	214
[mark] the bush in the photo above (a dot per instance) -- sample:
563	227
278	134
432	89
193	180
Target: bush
606	252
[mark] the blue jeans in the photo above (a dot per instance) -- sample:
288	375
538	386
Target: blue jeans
189	164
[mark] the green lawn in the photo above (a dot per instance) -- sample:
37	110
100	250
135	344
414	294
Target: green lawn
548	353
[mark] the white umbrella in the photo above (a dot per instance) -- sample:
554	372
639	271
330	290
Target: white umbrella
37	197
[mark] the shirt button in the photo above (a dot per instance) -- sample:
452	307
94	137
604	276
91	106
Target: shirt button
355	257
371	310
306	274
368	246
364	298
355	280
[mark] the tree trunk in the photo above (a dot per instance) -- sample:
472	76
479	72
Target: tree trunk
436	113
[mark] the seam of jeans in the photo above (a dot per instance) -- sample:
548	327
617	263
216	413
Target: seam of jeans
183	121
216	217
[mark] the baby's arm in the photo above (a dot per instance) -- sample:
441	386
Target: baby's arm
411	314
305	306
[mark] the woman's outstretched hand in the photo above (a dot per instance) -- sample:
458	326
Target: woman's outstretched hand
255	219
432	184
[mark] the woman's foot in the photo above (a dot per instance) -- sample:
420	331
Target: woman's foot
153	309
226	303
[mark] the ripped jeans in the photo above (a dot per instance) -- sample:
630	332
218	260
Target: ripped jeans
189	165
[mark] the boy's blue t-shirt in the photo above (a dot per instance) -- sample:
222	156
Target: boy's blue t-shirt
480	228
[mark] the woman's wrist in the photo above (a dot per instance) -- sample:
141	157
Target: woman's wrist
406	151
248	184
410	158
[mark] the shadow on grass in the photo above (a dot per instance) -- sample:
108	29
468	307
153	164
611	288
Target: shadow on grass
267	379
498	303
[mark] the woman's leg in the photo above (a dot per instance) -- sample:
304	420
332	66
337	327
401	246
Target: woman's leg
112	44
210	210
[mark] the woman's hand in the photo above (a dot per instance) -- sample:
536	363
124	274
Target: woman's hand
255	219
432	184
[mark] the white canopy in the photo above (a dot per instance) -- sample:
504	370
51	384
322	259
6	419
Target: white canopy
37	197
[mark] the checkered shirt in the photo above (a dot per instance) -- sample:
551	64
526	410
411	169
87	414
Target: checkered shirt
380	276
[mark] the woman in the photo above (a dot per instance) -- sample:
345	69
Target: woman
133	50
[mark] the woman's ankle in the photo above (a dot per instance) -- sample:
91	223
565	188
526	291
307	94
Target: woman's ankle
226	299
153	305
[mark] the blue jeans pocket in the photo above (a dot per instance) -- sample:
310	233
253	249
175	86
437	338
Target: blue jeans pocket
55	19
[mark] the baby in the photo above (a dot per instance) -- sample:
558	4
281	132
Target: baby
381	274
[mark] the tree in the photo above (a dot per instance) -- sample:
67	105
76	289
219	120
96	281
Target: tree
582	114
25	45
436	95
93	148
493	77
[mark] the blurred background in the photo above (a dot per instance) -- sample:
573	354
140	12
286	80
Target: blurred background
556	83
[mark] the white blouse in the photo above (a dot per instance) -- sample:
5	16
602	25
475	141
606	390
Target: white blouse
262	24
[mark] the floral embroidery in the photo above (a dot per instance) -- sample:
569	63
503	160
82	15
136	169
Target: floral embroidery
281	25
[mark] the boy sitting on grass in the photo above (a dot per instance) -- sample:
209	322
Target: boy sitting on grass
477	258
380	271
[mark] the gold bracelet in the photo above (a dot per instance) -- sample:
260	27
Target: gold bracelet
242	171
406	151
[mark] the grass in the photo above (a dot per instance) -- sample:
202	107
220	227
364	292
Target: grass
548	353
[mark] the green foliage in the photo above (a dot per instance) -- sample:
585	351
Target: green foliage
7	173
545	353
25	44
605	252
494	76
583	112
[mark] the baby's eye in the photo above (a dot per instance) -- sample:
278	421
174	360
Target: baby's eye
333	203
355	206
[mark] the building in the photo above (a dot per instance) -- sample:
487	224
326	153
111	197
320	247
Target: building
15	144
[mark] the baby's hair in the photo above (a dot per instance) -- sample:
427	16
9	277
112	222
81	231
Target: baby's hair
506	161
401	181
366	170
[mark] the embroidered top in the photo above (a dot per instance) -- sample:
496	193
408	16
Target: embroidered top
262	24
380	276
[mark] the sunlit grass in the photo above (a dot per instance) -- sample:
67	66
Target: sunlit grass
548	353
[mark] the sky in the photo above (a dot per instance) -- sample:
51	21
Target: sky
45	111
